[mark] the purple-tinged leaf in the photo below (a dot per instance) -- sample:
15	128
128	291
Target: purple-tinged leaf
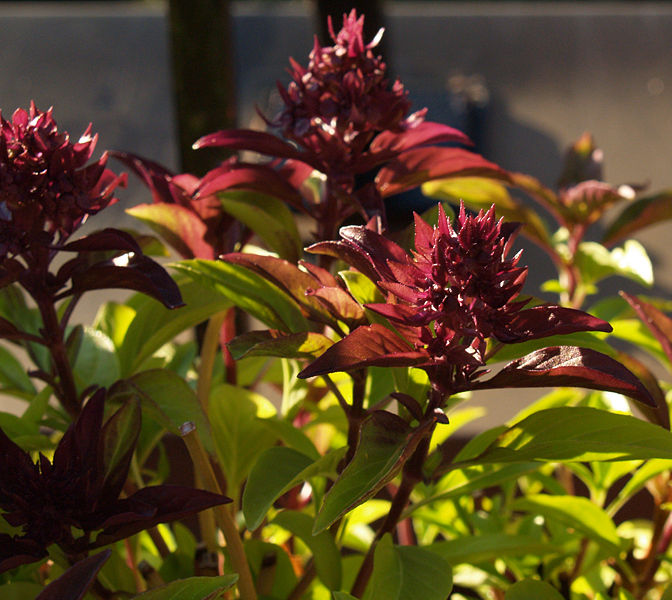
640	214
543	321
367	346
587	201
258	178
583	161
339	303
77	580
349	254
132	272
104	240
423	134
180	227
15	552
256	141
288	277
271	342
543	195
660	413
415	167
152	505
322	275
658	323
568	366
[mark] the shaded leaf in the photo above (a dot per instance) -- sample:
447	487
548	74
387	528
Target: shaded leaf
658	323
408	573
167	399
567	366
77	580
256	141
385	443
240	437
640	214
486	547
130	271
150	325
152	505
193	588
268	217
275	472
575	512
325	552
532	589
271	342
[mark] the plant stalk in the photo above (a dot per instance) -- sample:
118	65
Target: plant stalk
223	515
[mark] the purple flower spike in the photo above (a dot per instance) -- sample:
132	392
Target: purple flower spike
457	291
47	189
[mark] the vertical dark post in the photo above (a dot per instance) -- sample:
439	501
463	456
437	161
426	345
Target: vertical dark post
203	76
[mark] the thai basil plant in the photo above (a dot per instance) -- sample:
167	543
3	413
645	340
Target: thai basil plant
319	409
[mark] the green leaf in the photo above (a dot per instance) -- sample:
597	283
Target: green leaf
385	582
292	436
240	437
480	193
165	398
249	291
486	547
408	573
463	482
96	362
575	512
579	434
531	589
193	588
385	443
268	217
20	590
342	596
636	482
596	262
326	554
275	472
361	287
152	325
13	376
307	344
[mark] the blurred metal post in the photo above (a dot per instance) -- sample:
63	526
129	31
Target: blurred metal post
203	77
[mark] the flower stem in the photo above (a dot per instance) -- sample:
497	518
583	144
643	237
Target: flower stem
223	515
66	390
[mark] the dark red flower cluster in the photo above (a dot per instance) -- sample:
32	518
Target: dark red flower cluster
46	188
343	118
455	293
336	105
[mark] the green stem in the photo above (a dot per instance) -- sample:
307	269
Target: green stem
208	353
223	515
